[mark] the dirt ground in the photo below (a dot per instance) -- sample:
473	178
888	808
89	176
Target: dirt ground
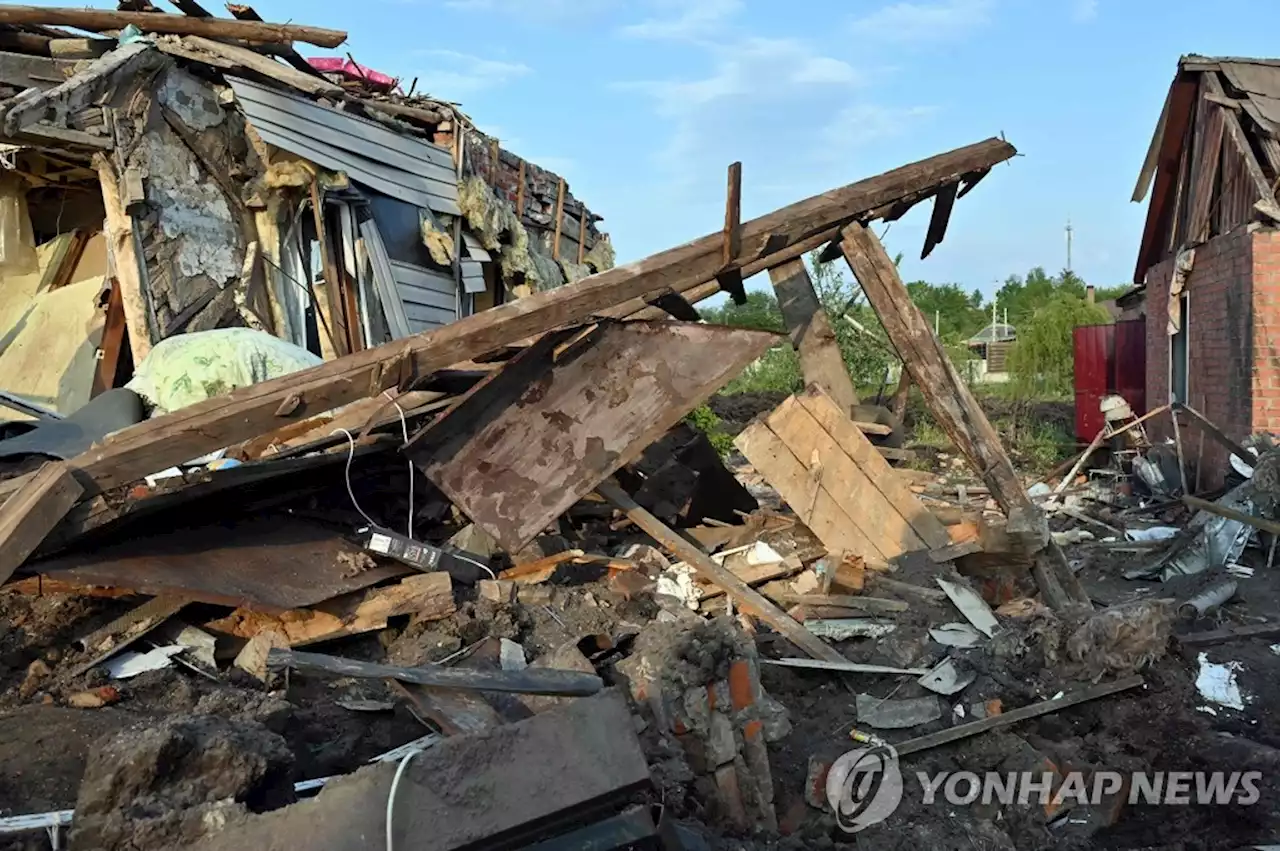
1164	726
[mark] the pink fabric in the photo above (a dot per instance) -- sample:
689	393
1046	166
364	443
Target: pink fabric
352	70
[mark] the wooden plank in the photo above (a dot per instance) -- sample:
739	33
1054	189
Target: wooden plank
1216	433
455	711
1209	638
872	605
869	458
733	216
1197	504
78	91
96	20
343	326
113	343
811	333
817	509
243	57
744	595
959	414
32	512
840	476
246	13
1172	134
80	48
996	722
34	72
520	192
1207	157
582	236
943	203
245	413
555	245
1240	142
587	414
528	681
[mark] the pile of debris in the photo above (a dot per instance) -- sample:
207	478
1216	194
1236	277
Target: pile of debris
361	571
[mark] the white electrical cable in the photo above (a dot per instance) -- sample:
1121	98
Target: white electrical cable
391	796
404	427
346	475
483	567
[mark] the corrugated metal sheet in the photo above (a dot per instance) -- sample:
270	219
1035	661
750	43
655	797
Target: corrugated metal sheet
402	166
1130	354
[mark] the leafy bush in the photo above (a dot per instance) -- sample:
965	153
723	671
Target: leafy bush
1041	362
705	420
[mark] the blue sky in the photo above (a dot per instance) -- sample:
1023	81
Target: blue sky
641	105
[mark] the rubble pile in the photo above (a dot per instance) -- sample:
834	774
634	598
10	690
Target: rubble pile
413	546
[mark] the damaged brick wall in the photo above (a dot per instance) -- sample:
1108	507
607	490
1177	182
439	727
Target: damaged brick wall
1221	380
193	158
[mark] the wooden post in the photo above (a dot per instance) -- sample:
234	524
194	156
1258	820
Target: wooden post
957	412
31	513
812	335
334	289
520	193
743	594
118	230
555	248
582	235
113	342
494	152
98	20
733	215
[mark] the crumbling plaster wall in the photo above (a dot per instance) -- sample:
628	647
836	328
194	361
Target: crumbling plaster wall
194	159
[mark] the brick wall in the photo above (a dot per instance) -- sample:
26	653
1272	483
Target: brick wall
1266	331
1222	383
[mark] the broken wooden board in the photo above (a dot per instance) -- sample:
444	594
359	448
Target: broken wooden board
99	20
957	412
425	596
532	439
747	598
812	335
250	411
31	513
529	681
267	562
832	477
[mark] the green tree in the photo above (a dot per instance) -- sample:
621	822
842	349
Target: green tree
958	315
760	312
863	344
1041	361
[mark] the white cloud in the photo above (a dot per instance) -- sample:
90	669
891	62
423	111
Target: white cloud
531	8
861	124
456	74
1083	11
908	22
692	20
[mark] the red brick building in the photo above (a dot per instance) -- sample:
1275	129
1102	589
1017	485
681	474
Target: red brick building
1210	255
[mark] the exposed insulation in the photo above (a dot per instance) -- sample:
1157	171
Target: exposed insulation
574	272
438	240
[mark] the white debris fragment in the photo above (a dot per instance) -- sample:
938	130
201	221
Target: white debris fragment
1217	682
677	581
1154	533
955	635
842	629
130	663
972	606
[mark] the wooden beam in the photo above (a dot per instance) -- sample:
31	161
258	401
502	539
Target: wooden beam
1167	168
250	60
34	72
1197	504
79	90
582	235
529	681
1236	133
333	283
114	339
246	13
122	247
31	513
812	335
752	601
955	409
245	413
995	722
1216	433
733	216
520	192
555	246
97	20
943	203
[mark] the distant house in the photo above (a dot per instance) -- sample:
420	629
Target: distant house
991	345
1209	263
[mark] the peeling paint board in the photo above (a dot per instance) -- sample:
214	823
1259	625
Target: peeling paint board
362	130
529	442
411	188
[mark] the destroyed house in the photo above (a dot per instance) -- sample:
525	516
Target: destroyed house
168	182
1209	262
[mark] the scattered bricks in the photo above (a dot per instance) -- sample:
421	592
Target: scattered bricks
815	783
757	796
697	709
534	595
721	745
729	796
500	591
756	756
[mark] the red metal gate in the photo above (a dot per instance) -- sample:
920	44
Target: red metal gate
1108	359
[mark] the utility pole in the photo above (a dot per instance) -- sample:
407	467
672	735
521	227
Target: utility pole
1069	230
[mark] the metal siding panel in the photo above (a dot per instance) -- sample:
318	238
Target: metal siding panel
355	128
422	317
474	249
1092	348
472	277
384	281
426	287
398	184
